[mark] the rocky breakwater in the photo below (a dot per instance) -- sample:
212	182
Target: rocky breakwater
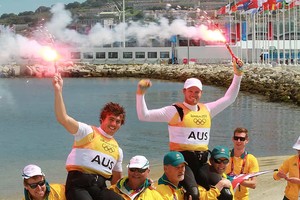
276	84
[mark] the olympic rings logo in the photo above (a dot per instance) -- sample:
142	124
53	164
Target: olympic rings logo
108	148
199	121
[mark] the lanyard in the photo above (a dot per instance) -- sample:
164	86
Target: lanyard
243	165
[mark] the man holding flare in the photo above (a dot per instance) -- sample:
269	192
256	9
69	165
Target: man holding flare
189	121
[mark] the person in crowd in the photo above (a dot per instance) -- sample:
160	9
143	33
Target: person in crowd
96	155
242	162
169	184
214	182
37	188
189	122
137	185
290	171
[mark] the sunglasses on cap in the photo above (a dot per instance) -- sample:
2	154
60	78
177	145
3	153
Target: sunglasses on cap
34	185
219	161
242	139
139	170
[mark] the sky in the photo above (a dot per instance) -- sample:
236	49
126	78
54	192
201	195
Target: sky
17	6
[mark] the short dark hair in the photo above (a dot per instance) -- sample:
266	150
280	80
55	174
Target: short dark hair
240	130
112	108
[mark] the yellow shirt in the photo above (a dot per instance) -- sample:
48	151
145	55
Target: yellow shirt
144	193
55	192
291	167
250	166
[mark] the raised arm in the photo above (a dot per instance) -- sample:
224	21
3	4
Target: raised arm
164	114
70	124
231	94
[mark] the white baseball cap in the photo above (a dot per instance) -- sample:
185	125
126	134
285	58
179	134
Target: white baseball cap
190	82
139	162
297	144
31	171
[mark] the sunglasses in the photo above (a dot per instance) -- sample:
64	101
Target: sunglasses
219	161
242	139
34	185
139	170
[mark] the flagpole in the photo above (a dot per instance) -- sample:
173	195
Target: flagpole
296	29
253	39
283	32
277	27
290	41
269	29
247	57
272	37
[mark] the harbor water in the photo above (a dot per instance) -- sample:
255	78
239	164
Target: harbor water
31	134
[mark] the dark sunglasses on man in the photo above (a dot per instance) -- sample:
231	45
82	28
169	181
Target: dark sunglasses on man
242	139
219	161
34	185
139	170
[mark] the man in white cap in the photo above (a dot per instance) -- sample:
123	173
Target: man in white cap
290	171
189	122
137	185
37	188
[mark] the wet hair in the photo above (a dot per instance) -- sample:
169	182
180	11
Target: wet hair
114	109
240	130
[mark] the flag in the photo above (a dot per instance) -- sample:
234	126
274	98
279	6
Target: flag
294	3
225	9
239	5
269	5
270	31
237	180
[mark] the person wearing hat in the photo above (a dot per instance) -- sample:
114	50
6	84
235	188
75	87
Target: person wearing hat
214	183
95	156
37	188
169	184
290	171
136	185
189	122
242	162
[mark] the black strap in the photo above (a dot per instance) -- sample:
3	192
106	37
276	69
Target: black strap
179	110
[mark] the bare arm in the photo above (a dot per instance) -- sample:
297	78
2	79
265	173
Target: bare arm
250	183
294	180
223	183
115	177
70	124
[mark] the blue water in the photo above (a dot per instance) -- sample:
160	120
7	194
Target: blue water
30	133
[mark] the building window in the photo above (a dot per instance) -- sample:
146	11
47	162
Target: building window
88	55
152	54
139	54
75	55
164	54
100	55
127	55
112	55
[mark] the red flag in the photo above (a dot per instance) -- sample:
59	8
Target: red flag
270	31
238	31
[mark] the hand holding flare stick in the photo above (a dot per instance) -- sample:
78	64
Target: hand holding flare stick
240	64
